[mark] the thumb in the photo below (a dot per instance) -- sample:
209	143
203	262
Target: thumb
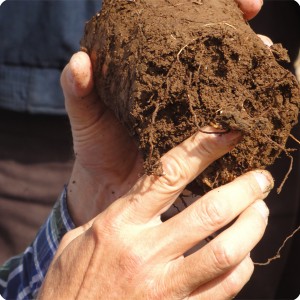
82	104
250	8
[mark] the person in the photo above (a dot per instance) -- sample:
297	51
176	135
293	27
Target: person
126	252
141	219
134	239
116	182
37	40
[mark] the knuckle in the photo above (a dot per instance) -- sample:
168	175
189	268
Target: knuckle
223	255
211	214
106	226
129	258
101	225
176	172
68	236
65	241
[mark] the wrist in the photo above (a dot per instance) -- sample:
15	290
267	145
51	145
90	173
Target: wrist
86	196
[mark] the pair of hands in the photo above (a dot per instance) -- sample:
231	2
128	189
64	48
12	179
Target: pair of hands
126	252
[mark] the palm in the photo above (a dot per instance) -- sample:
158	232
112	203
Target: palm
105	149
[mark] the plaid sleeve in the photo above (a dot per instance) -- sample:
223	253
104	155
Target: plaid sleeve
22	276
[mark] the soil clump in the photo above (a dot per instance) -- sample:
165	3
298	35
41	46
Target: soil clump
167	68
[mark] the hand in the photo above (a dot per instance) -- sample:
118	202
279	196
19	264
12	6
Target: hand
107	159
128	253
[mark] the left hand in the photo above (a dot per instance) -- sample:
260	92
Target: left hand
107	160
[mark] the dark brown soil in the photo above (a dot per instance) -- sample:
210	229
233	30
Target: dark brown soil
169	67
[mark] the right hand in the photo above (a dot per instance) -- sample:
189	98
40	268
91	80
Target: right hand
126	252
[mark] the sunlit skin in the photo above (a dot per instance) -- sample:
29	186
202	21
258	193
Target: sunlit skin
123	250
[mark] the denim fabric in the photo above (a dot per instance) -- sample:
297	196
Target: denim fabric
38	38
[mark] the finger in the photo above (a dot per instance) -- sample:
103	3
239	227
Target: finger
212	212
153	195
250	7
228	285
82	103
224	252
266	40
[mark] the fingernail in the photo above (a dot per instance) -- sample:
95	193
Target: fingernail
234	136
265	180
262	208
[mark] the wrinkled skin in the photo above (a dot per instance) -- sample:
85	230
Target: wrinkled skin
107	160
126	252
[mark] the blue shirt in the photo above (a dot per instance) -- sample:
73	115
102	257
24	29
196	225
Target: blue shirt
22	276
38	38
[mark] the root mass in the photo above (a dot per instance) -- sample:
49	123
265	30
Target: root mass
168	68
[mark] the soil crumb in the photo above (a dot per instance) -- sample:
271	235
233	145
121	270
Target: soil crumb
168	67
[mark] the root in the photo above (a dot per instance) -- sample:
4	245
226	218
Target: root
290	167
279	189
195	39
186	45
196	122
286	151
151	138
278	254
295	139
219	23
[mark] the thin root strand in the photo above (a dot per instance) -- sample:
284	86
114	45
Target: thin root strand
295	139
279	189
278	254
